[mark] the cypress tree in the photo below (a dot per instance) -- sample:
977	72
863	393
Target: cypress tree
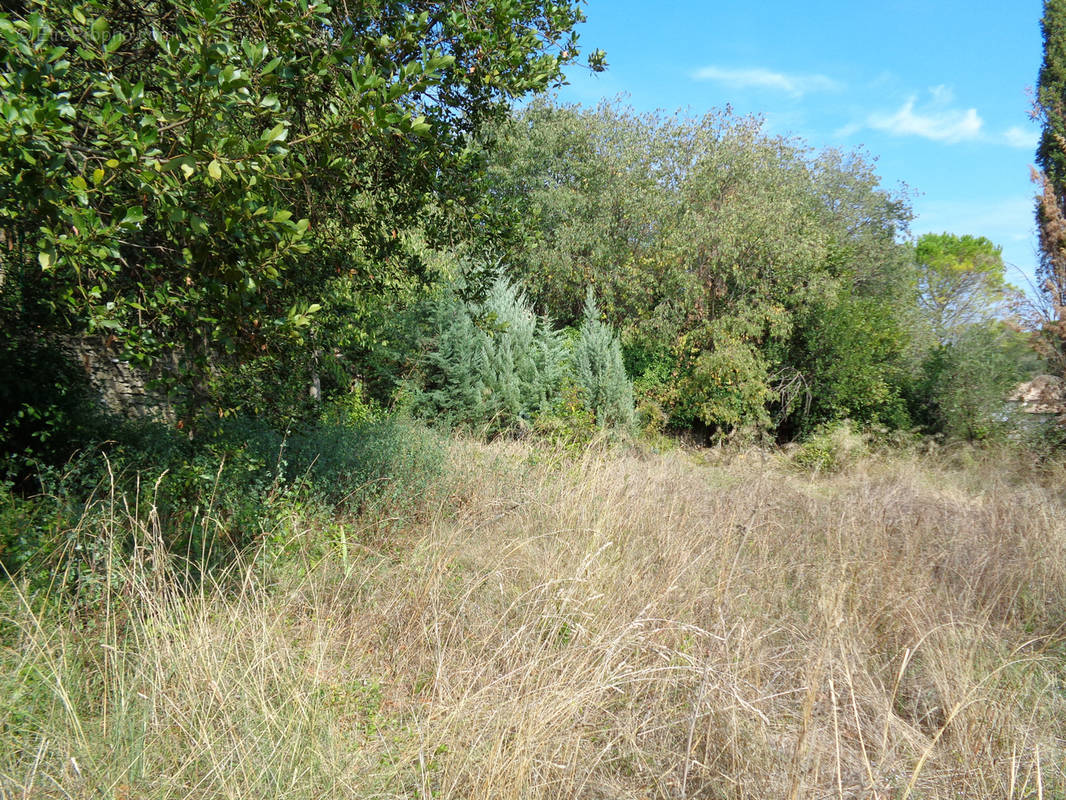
1051	96
494	365
599	370
1051	202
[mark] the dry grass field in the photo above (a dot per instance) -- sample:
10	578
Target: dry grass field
610	624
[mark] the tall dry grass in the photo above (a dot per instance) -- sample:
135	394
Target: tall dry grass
602	626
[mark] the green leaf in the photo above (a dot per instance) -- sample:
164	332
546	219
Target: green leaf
275	134
214	169
45	259
134	215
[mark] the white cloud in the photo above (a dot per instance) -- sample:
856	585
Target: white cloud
934	122
758	78
848	130
1022	138
942	94
939	121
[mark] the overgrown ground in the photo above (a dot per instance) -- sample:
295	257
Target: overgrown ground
600	625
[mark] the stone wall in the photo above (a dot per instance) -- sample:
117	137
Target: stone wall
122	387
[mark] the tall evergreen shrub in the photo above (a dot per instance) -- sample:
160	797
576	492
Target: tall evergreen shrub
493	365
599	371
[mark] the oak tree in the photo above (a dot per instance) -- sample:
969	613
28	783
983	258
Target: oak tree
185	178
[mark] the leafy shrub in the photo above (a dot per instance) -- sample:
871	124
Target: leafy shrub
210	499
245	467
652	369
28	526
567	420
391	459
352	408
728	385
963	384
850	353
163	220
651	419
718	245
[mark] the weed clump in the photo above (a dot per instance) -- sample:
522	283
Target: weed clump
831	448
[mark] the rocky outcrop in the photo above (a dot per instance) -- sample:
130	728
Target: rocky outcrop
1044	394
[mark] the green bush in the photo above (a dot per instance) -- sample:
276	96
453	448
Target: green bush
28	527
244	467
209	500
164	216
714	247
831	448
567	421
850	354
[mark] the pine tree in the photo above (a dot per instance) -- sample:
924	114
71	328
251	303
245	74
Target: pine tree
599	370
1051	203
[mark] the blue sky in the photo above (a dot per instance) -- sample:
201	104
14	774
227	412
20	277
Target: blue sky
938	92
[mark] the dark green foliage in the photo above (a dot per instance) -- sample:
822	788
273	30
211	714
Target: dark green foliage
580	189
29	528
190	176
210	499
653	365
1051	95
963	386
48	410
850	362
709	244
243	462
1050	109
